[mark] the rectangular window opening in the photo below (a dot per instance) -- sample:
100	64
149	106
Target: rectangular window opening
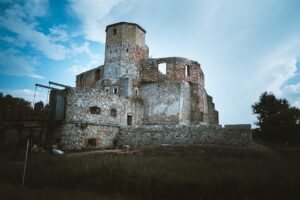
92	142
162	68
129	119
187	71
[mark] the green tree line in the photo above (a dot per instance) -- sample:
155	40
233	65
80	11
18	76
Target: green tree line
18	109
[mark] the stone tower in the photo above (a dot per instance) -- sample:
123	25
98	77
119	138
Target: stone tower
125	47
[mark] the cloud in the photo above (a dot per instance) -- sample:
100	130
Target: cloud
36	8
15	19
13	41
95	59
280	66
14	63
59	34
92	14
292	88
77	69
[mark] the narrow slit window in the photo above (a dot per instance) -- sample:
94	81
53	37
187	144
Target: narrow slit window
115	31
129	120
187	70
162	68
115	90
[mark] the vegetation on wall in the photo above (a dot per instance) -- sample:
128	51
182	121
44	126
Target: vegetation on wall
278	122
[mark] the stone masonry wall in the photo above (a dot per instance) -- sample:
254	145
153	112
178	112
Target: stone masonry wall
166	103
78	136
155	135
175	70
89	78
79	103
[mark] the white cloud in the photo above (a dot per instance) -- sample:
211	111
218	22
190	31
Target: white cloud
13	41
36	8
13	63
84	49
59	34
77	69
292	88
15	19
280	66
91	13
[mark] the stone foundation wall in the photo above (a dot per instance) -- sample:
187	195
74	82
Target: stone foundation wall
155	135
76	136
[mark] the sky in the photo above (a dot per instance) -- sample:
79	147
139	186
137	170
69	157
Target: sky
245	47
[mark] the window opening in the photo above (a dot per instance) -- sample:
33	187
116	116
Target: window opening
115	31
115	90
162	67
92	142
113	112
129	119
95	110
187	70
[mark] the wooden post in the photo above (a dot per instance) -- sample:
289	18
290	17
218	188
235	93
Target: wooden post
25	163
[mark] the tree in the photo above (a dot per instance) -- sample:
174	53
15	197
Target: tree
277	120
18	109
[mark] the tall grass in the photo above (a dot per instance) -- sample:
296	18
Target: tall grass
164	173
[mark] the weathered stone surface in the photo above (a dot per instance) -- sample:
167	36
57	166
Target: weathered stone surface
153	135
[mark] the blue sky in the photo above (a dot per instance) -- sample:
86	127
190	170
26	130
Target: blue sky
245	47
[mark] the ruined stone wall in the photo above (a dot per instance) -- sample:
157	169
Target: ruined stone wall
76	136
155	135
80	103
176	70
89	78
213	115
166	103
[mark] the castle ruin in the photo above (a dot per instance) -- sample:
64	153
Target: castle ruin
136	100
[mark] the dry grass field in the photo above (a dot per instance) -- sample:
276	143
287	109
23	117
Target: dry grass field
194	172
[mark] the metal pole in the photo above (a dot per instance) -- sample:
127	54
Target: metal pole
25	163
